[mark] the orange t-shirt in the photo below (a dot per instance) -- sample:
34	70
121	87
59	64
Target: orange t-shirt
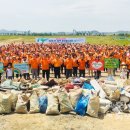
5	62
45	64
57	62
69	64
34	63
128	63
75	63
81	64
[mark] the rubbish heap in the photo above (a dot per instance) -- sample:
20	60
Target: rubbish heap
58	96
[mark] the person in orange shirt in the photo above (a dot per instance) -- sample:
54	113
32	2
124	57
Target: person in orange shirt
38	59
75	65
128	66
57	62
69	66
82	65
34	66
45	62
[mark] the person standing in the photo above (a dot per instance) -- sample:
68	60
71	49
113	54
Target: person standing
75	66
9	72
82	65
45	62
97	73
34	66
69	65
26	75
128	66
18	62
57	62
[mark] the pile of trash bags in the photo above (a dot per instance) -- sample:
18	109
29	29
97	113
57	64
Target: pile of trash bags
58	96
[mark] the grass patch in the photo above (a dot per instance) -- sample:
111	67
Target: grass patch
110	40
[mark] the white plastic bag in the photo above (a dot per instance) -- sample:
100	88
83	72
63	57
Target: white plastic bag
34	103
104	105
21	104
93	106
74	95
65	104
98	88
5	103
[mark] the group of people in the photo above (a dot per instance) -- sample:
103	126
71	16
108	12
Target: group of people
68	59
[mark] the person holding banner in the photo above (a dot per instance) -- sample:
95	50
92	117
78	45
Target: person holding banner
45	62
25	75
17	62
97	72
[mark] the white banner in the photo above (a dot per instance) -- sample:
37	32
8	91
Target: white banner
60	40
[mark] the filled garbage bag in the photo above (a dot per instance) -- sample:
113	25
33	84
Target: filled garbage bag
93	106
34	103
106	89
6	83
105	105
40	92
115	95
5	103
81	105
87	86
74	96
36	85
16	84
98	88
14	98
51	83
42	81
43	104
127	82
69	86
52	108
21	105
77	80
65	104
110	78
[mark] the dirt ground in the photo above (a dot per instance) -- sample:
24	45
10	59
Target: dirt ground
64	122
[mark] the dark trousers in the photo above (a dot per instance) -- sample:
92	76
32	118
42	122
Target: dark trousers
65	71
68	73
26	76
57	72
128	72
62	67
75	71
47	73
18	75
10	77
52	67
38	71
81	73
97	74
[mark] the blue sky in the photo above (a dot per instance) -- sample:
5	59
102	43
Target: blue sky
65	15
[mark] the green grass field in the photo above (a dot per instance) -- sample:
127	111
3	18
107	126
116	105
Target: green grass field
89	39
